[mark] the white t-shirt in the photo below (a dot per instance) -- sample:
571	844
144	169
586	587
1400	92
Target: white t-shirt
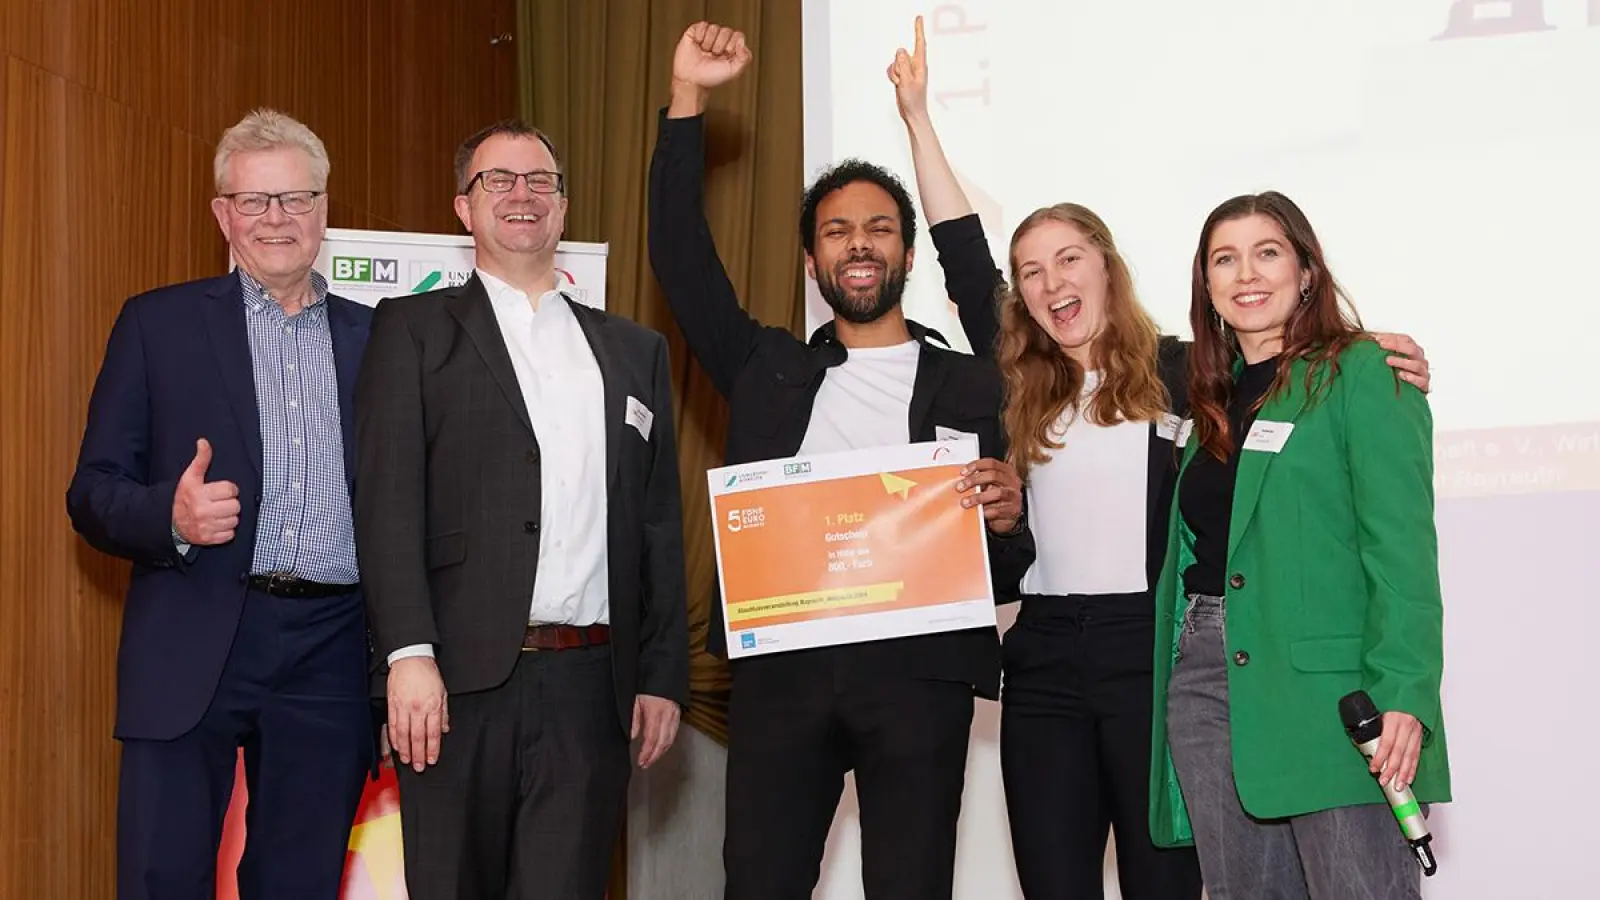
1087	505
865	401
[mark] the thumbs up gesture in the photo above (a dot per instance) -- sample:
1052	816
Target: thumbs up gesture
205	513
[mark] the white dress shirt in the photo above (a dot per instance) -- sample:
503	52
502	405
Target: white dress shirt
565	396
1087	505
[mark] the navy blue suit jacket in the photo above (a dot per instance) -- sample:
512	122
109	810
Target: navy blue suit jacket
177	369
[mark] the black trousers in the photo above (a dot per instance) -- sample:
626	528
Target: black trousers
293	694
528	793
797	724
1075	750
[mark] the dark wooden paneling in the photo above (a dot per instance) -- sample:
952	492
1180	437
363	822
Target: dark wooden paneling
416	152
56	625
109	114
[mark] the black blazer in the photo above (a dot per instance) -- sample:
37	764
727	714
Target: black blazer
770	379
447	503
974	284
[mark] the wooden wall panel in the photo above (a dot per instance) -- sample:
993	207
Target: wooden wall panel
47	629
109	113
11	805
419	149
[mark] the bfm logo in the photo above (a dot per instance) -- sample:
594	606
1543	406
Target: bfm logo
366	270
747	641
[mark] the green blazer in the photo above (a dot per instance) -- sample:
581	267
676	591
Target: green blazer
1333	586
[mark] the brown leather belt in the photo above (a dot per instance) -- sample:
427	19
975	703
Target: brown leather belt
565	637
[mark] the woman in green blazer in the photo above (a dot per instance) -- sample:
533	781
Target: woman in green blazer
1302	565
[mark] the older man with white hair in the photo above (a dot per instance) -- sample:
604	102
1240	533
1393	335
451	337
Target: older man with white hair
217	457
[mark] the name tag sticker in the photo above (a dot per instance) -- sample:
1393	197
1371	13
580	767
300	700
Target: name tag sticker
639	416
1169	427
942	433
1268	437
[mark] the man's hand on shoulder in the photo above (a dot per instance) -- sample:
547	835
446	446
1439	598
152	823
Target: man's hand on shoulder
1407	359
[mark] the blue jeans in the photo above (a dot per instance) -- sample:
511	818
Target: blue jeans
1347	853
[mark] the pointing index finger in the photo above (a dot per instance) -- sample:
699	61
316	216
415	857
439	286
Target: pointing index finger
920	50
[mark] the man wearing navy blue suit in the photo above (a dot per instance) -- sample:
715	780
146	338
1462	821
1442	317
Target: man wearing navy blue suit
218	458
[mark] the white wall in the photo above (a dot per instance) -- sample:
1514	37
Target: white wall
675	816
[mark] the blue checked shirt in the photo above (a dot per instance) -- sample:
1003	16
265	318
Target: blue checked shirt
305	527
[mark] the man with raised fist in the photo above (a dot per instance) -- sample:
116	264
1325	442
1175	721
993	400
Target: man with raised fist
218	459
894	712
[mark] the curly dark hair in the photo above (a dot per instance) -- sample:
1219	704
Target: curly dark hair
844	174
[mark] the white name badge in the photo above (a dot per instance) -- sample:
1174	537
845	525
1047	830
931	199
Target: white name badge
639	416
1171	428
1268	437
942	433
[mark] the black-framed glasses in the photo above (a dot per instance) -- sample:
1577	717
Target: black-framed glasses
255	203
500	181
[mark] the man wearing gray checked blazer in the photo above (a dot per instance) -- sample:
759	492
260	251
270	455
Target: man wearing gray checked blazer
519	525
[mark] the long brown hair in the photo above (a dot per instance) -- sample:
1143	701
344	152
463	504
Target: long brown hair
1318	330
1042	381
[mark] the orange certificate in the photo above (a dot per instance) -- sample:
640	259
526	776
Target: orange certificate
848	547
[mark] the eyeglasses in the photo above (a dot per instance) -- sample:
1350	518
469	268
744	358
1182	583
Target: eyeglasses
254	203
499	181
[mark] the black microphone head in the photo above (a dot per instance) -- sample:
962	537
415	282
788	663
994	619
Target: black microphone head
1360	716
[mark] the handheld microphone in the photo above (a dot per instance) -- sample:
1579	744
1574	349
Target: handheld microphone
1364	724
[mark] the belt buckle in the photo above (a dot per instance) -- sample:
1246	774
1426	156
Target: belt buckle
282	581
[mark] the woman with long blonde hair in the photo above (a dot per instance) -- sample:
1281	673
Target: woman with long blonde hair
1095	400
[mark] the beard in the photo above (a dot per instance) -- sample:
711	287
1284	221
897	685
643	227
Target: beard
862	308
